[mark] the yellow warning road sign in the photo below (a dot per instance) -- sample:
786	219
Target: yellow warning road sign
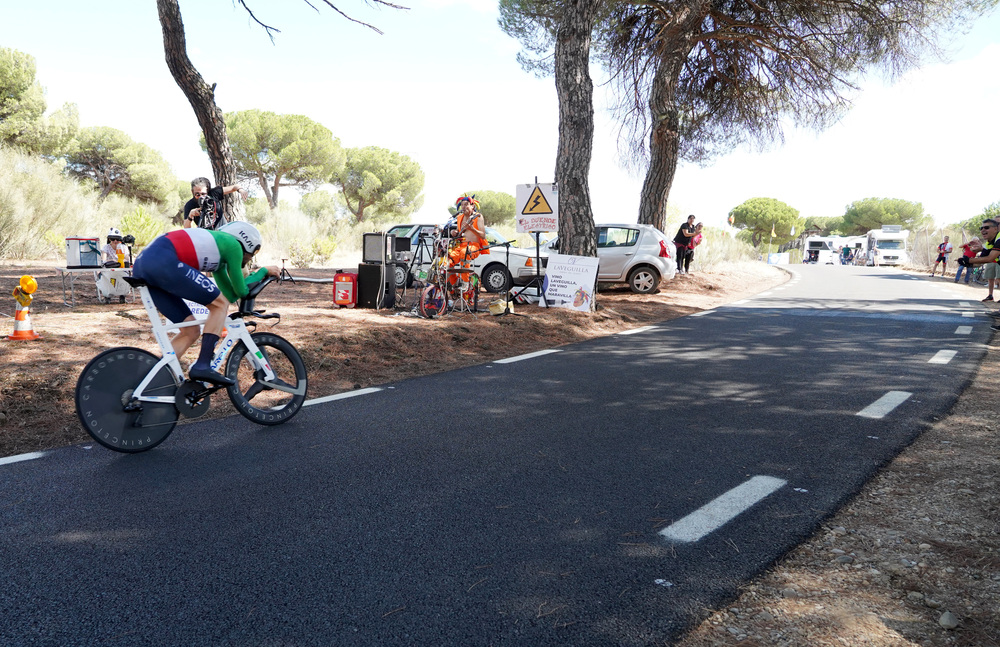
536	204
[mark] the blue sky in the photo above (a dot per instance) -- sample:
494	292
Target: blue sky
442	85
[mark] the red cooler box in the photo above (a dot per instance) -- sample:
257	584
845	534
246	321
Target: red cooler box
345	289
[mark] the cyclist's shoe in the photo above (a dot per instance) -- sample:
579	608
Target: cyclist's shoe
199	374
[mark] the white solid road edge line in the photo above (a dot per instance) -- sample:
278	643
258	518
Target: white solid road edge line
636	331
21	457
341	396
885	404
518	358
943	357
702	313
722	509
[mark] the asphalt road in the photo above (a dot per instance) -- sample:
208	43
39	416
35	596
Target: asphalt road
604	494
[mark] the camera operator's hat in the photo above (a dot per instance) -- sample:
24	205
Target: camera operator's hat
114	234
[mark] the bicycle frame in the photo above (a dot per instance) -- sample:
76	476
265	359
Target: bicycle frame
236	331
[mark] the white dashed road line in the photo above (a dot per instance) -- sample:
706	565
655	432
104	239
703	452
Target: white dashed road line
518	358
885	404
963	330
721	510
943	357
341	396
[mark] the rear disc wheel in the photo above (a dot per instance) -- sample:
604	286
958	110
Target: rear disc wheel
104	390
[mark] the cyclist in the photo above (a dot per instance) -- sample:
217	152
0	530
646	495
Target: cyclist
172	267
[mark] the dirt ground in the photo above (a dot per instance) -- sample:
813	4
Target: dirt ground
914	559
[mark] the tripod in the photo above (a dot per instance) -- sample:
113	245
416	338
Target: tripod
537	280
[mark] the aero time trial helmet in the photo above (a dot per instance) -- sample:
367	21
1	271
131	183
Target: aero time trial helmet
244	232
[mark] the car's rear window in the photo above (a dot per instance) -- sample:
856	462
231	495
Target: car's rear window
617	237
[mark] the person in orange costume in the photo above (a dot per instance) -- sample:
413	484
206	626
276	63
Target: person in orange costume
471	233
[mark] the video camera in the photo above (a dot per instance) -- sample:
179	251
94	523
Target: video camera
207	206
128	239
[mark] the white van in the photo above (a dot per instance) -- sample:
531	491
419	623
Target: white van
821	250
890	243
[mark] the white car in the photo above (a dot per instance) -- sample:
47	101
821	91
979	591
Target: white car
504	267
639	255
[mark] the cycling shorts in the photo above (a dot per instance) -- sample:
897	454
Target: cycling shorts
170	281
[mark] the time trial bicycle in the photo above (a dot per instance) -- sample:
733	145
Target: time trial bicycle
129	400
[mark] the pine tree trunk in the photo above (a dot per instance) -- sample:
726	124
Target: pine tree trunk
202	100
664	142
575	90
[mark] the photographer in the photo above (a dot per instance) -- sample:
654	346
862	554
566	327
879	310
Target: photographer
205	210
989	257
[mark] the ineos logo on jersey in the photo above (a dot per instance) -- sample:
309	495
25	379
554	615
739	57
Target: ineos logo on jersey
202	280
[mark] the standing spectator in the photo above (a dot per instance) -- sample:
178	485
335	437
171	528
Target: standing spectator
944	249
682	241
969	251
204	210
845	255
695	241
988	257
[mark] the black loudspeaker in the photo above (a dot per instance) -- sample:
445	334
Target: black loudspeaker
369	278
373	250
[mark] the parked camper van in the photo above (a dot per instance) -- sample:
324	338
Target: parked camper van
821	250
890	241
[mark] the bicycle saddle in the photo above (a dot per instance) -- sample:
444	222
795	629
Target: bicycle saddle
135	281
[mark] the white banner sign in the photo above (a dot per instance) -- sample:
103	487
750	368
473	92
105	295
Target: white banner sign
570	282
537	207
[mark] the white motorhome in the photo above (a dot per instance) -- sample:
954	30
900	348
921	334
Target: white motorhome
821	250
889	243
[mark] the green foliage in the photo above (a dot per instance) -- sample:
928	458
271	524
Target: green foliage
387	183
972	224
322	206
143	225
40	207
829	226
22	100
719	247
22	104
871	213
761	216
281	150
497	207
111	161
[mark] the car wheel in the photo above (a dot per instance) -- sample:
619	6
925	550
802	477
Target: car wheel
496	278
402	276
643	280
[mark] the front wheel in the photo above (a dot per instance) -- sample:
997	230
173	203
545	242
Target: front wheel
104	401
257	399
497	279
643	280
432	301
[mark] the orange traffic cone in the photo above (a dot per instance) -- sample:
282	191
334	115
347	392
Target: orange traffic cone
22	322
22	325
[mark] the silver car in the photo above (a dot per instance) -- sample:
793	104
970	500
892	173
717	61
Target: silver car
639	255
